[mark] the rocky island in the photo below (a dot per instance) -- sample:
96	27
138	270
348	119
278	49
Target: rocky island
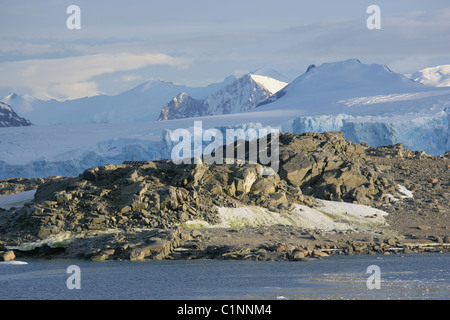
329	196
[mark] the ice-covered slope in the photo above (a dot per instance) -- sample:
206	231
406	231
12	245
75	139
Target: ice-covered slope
142	103
241	95
9	118
438	76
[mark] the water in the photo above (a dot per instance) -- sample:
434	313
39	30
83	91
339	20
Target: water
414	276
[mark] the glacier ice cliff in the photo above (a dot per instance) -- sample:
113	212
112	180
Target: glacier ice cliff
429	133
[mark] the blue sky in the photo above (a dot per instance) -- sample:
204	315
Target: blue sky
198	42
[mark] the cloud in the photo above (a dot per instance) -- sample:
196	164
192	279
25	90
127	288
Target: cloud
132	78
70	78
24	48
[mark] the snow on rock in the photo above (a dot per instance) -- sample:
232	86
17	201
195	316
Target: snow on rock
9	118
405	193
327	216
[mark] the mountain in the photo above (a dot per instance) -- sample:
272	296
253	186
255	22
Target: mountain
241	95
142	103
329	83
9	118
435	76
367	102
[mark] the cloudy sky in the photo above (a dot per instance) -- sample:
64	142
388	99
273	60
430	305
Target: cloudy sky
198	42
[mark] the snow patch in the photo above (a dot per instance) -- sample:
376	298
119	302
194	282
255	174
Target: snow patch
270	84
405	193
327	216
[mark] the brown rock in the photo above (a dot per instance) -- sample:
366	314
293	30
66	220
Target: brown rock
7	256
391	242
319	254
297	255
304	251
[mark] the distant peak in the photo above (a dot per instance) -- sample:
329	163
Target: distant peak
354	60
230	78
387	68
12	95
311	66
153	83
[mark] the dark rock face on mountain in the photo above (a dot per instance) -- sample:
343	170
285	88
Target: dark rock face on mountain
8	118
241	95
133	211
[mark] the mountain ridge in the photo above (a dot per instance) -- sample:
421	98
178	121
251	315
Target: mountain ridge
241	95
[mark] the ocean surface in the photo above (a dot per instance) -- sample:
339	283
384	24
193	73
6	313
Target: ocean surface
411	276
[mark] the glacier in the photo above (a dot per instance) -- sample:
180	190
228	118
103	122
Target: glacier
140	144
430	134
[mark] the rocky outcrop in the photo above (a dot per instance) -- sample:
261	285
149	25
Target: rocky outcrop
17	185
132	211
134	245
327	166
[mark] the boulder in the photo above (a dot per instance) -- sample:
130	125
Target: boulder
264	186
7	256
319	254
277	198
297	255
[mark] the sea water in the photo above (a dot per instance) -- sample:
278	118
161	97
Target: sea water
411	276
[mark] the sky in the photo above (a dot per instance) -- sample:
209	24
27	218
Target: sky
198	42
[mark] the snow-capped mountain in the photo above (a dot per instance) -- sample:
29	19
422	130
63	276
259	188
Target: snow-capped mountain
329	83
368	103
438	76
9	118
142	103
241	95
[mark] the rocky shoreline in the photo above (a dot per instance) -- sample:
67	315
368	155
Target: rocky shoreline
316	205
